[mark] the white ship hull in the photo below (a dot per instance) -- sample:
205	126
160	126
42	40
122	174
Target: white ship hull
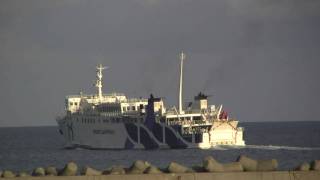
96	134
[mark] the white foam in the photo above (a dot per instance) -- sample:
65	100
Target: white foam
273	147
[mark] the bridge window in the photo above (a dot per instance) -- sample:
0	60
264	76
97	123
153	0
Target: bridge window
71	103
133	108
75	103
196	118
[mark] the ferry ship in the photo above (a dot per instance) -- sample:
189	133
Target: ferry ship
113	121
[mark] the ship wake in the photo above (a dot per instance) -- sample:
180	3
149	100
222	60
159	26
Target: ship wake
270	147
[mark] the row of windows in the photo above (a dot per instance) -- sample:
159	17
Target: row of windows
195	118
126	108
113	120
225	143
109	109
133	108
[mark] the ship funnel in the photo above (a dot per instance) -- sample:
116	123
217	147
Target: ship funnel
182	57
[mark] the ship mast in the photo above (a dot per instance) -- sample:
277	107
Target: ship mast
182	57
99	81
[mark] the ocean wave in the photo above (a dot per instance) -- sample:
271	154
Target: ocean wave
270	147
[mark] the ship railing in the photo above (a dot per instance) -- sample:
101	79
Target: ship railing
190	122
133	100
95	95
114	94
193	111
111	114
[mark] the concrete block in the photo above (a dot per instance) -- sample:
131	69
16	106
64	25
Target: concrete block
275	175
178	168
8	174
267	165
88	171
188	176
305	175
270	175
138	167
39	171
211	165
247	163
233	167
70	169
23	174
145	177
243	176
51	171
315	165
116	170
228	176
153	170
303	167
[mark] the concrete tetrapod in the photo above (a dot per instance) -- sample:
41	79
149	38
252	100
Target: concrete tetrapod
303	167
257	165
178	168
247	163
153	170
88	171
211	165
8	174
315	165
267	165
23	174
51	171
70	169
233	167
116	170
39	171
138	167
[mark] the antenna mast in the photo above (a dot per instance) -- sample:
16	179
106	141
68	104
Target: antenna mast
99	80
182	57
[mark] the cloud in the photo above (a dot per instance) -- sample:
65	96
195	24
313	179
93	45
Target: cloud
274	9
246	51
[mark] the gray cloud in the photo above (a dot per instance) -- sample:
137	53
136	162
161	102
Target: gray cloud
259	58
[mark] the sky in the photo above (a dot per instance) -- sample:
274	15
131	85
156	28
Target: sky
259	58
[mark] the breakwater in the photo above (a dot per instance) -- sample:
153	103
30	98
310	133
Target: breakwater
243	168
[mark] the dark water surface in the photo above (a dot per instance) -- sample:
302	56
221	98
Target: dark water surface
290	142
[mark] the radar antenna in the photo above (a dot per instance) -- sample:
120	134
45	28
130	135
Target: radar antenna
99	83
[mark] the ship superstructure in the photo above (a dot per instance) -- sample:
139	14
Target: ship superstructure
113	121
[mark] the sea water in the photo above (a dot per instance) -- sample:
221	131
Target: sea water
292	143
